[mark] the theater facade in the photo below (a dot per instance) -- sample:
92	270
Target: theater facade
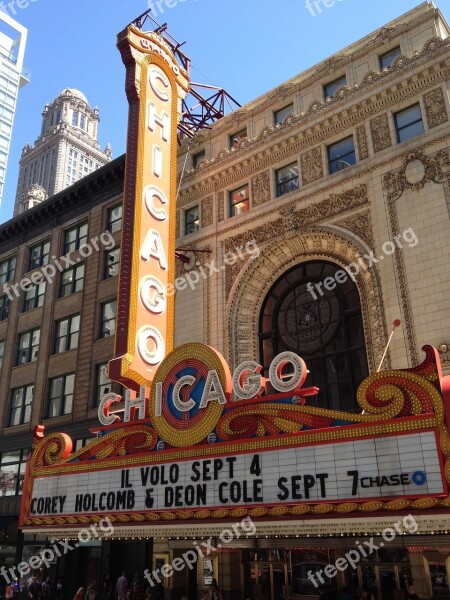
265	429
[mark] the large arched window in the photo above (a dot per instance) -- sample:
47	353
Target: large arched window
322	326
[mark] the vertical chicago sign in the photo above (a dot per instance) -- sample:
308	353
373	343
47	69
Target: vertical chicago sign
155	85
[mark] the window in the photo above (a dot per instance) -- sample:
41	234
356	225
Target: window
287	179
115	218
7	269
60	398
108	319
67	334
12	471
104	385
197	158
280	115
34	297
58	117
2	352
239	201
112	260
75	118
408	123
237	137
191	220
341	155
72	281
75	237
82	121
388	58
326	329
39	255
331	88
4	307
28	347
21	399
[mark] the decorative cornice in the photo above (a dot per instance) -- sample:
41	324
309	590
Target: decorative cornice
365	109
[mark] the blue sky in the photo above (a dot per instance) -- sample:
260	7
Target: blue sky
247	47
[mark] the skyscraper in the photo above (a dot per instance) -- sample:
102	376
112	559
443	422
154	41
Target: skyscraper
66	150
13	76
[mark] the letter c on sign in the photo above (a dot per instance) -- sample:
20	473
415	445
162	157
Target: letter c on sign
158	75
155	355
151	192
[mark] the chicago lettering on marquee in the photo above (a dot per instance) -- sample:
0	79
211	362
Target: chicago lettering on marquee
155	85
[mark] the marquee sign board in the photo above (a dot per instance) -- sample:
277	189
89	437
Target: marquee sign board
203	452
382	467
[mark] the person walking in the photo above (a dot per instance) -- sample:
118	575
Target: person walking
214	592
90	592
80	594
122	586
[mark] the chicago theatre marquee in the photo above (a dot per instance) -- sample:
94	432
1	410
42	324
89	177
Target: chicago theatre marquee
201	444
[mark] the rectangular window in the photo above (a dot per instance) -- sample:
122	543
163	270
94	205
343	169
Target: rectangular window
408	123
34	297
104	385
67	334
28	348
12	471
388	58
60	397
39	255
82	121
75	237
21	400
331	88
72	280
4	307
108	319
191	220
239	201
287	179
7	269
341	155
280	115
234	139
197	158
111	265
75	118
2	352
115	218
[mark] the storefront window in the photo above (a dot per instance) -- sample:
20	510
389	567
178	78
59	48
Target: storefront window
12	472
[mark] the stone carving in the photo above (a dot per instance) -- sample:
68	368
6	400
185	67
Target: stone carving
220	206
360	225
381	136
372	78
207	211
284	251
363	148
296	220
435	108
312	166
261	188
435	168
